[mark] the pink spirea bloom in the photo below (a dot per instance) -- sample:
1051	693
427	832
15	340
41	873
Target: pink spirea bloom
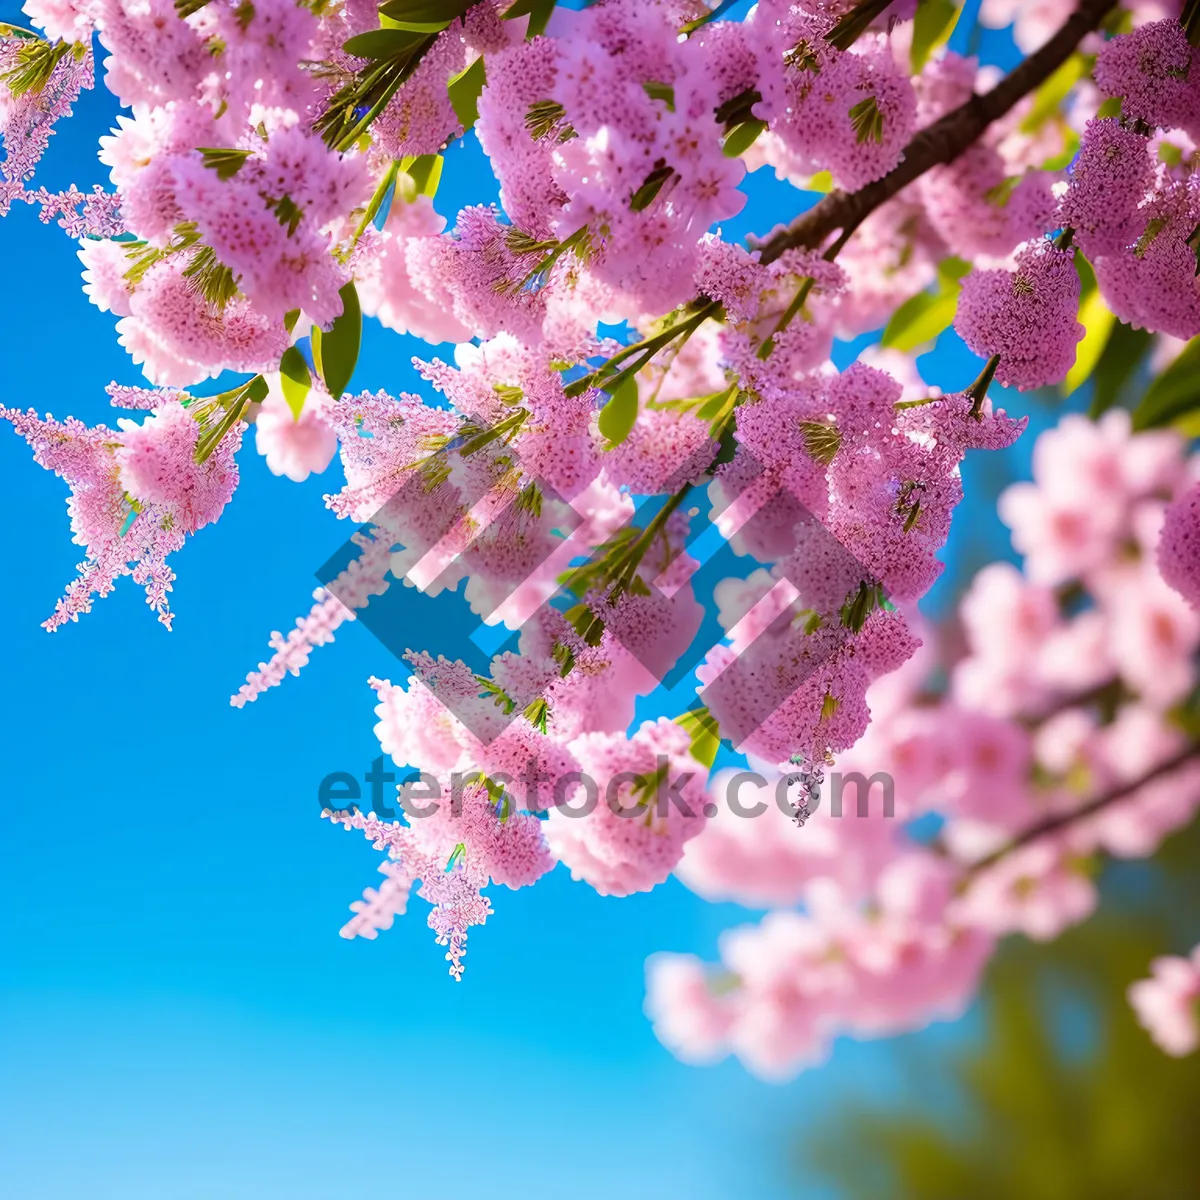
294	446
122	534
1168	1003
179	338
346	595
27	120
631	839
1110	179
1149	70
455	853
385	287
1072	518
1039	890
158	467
1027	317
1179	546
1153	284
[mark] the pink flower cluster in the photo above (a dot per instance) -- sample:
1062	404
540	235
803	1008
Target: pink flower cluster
136	493
278	161
1051	709
1168	1003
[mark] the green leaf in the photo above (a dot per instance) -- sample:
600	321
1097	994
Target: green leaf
295	379
923	317
654	183
1121	355
618	415
1097	320
290	319
424	16
336	353
538	12
425	171
465	89
705	733
660	91
381	43
741	137
1173	394
932	26
1049	97
226	163
867	121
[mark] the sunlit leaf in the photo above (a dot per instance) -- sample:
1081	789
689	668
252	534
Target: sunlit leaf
425	171
424	16
926	315
465	89
741	137
705	733
1174	393
932	26
335	353
538	12
1097	320
619	414
1049	97
381	43
295	380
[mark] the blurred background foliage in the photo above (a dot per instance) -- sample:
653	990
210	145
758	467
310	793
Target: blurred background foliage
1061	1095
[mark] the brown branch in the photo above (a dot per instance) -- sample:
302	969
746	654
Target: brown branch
1057	821
941	142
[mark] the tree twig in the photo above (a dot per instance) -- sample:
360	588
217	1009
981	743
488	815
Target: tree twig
939	143
1057	821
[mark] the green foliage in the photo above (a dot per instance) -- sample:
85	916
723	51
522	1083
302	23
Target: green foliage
423	16
932	26
705	733
379	44
619	414
226	163
1064	1096
926	315
741	137
1097	320
425	170
1123	351
295	379
867	121
36	60
465	89
1174	394
335	354
538	12
393	55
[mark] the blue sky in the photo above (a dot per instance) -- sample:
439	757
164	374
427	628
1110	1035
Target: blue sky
179	1017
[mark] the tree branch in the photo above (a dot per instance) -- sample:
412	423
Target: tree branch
941	142
1057	821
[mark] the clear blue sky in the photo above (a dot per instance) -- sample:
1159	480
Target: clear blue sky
178	1018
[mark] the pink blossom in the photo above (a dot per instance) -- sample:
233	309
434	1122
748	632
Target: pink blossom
1109	181
385	287
635	833
1179	546
1040	890
1167	1003
1028	317
1148	70
294	445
